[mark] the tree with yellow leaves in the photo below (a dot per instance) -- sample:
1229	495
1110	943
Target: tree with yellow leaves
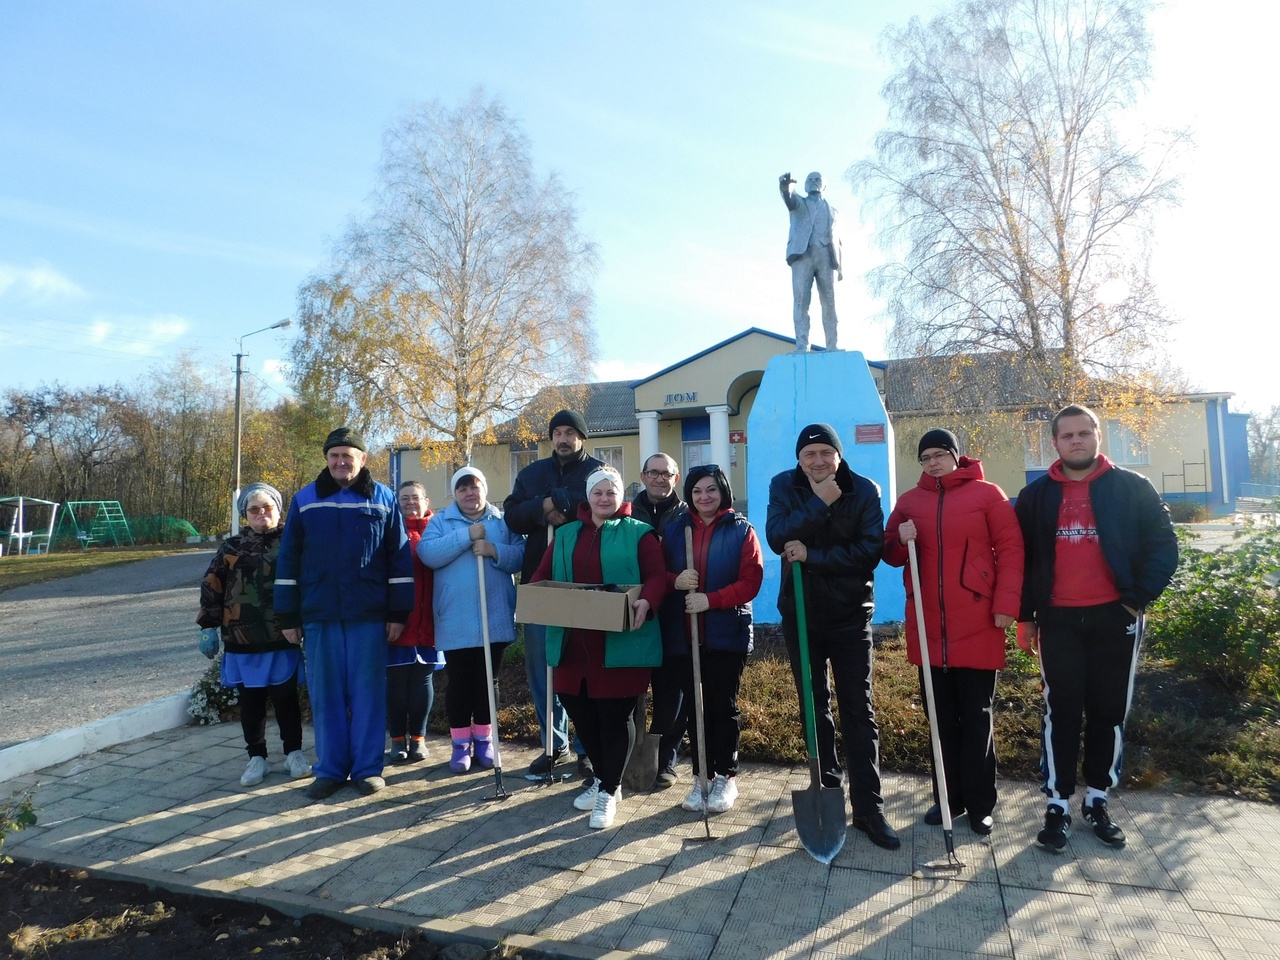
463	294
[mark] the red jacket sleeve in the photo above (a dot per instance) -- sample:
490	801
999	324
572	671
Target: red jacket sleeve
653	571
1006	541
750	576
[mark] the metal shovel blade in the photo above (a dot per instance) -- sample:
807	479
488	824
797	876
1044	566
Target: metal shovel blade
820	818
642	765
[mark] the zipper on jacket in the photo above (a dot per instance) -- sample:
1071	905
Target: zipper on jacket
942	603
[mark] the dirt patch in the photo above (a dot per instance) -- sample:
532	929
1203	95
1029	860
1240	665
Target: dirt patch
53	913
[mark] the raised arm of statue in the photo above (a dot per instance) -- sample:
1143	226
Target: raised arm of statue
784	187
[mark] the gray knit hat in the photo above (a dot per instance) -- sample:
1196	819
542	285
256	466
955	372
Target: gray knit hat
259	490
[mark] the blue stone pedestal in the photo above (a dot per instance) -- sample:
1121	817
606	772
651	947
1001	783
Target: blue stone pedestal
799	389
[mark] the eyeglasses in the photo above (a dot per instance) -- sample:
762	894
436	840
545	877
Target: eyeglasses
258	508
705	468
658	474
935	457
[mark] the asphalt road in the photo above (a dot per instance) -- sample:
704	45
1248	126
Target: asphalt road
76	650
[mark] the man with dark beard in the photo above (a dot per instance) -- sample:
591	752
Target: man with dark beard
545	496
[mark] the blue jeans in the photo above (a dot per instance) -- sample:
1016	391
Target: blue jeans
535	667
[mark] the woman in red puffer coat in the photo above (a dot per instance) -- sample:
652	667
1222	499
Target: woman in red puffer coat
969	547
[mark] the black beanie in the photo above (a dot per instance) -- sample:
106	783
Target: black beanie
568	418
819	433
939	439
344	437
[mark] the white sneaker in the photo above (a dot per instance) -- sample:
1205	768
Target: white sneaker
255	772
724	791
604	809
693	802
296	763
586	800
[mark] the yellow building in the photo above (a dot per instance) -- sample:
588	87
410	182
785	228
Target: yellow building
696	410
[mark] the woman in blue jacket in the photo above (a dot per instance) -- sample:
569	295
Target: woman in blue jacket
471	527
721	579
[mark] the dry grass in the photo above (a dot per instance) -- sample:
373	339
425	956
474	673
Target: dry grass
1181	734
18	571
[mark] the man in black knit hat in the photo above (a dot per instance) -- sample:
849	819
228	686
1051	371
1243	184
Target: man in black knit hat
545	496
826	517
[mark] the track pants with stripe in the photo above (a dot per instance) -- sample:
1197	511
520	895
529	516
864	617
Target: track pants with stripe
347	682
1088	656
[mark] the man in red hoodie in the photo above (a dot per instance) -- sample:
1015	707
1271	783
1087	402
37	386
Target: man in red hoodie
1100	547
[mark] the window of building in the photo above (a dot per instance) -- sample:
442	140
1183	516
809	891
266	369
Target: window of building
522	454
1038	445
1124	444
610	457
694	453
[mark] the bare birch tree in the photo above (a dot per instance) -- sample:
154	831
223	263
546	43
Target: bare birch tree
1016	190
464	293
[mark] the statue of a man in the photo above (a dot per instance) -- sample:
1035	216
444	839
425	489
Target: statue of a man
813	250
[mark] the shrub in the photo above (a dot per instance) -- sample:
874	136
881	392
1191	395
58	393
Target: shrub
16	813
1220	618
209	698
1188	511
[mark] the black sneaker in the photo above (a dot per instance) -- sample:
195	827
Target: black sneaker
1106	831
586	771
667	779
543	763
1056	823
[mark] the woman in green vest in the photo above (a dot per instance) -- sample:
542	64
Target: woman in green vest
599	674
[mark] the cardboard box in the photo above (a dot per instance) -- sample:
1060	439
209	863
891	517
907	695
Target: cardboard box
579	605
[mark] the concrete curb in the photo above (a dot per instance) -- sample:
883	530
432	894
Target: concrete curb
32	755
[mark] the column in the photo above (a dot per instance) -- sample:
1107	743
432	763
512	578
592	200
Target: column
720	435
648	435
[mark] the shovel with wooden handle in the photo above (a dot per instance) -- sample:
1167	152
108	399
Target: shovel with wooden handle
819	810
940	773
550	776
700	738
500	792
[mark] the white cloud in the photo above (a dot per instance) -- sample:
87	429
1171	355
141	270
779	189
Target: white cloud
138	336
37	283
607	370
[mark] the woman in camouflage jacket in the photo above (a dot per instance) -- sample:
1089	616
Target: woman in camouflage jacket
236	597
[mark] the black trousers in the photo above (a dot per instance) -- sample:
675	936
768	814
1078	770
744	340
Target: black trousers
721	676
606	727
253	716
966	732
411	691
466	698
1088	658
670	708
848	650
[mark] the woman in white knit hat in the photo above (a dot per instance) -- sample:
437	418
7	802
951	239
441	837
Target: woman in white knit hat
598	675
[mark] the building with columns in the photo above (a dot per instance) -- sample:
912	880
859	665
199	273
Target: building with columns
1193	449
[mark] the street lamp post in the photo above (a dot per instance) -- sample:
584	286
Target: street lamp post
240	355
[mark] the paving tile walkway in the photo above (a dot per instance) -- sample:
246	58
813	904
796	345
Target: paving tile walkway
1200	876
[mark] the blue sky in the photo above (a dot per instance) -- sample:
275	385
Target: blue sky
170	172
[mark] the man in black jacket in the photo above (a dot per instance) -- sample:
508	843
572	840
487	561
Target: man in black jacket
546	495
1100	547
826	517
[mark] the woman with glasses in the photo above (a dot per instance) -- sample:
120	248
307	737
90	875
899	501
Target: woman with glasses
716	585
599	674
236	598
412	659
969	549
